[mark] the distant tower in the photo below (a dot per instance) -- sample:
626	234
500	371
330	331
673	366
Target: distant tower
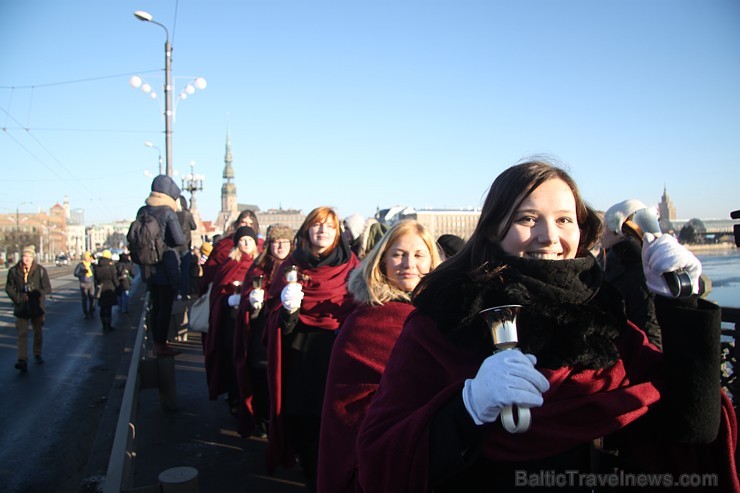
229	206
666	209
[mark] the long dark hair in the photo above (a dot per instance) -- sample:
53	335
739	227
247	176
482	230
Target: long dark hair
505	195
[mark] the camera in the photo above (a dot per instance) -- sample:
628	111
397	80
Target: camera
29	287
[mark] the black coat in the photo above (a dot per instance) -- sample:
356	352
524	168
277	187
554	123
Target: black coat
28	295
623	269
106	281
125	271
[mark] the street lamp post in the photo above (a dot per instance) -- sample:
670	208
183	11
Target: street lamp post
147	17
149	144
169	107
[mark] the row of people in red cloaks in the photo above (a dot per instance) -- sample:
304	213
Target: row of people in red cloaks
383	376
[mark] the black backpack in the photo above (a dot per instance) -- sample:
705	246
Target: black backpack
145	240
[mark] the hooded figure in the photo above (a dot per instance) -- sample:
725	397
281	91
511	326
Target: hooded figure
164	278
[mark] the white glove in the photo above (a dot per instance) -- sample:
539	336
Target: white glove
664	254
291	296
507	378
234	300
257	298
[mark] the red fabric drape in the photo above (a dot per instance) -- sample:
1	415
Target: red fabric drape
213	346
326	304
427	371
358	359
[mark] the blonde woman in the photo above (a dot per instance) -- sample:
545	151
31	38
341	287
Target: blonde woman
382	285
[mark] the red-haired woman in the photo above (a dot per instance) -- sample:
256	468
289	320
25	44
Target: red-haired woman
305	312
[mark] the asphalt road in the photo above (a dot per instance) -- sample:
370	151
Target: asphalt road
57	421
50	415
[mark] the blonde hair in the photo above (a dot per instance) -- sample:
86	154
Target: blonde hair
369	283
236	254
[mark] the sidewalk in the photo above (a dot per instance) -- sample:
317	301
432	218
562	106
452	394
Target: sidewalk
202	434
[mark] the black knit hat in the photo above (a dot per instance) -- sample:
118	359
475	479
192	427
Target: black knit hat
244	231
450	244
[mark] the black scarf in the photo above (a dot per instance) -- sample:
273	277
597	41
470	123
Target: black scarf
339	255
569	317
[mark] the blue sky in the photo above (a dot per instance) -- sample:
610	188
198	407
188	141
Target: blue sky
366	104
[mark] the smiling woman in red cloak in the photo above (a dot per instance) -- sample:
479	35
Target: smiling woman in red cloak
603	401
305	312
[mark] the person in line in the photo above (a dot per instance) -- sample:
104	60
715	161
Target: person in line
382	286
449	245
84	272
222	246
187	224
304	313
354	225
622	263
218	343
602	398
125	272
164	277
106	284
250	354
27	286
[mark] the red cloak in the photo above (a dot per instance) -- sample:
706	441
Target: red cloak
242	336
358	359
326	304
426	370
214	345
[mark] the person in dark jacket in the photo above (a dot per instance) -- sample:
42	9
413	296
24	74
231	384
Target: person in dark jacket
622	264
187	223
106	284
125	271
84	273
163	280
27	287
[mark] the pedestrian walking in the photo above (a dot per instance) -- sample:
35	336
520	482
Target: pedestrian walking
125	271
84	272
27	287
106	286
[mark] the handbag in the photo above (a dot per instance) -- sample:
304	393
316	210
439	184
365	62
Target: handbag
199	313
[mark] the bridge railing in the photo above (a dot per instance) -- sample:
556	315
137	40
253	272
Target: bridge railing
730	353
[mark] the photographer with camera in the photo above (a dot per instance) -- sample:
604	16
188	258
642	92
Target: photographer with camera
27	287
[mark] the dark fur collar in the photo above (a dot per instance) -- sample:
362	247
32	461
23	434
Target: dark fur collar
570	318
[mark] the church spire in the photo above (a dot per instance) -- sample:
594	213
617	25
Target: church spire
228	190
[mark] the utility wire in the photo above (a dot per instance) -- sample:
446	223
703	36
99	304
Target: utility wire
78	81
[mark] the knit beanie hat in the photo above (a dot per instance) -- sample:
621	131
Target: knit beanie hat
617	214
355	224
165	184
29	250
106	254
279	232
244	231
87	256
450	244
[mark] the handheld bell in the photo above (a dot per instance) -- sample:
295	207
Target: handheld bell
501	321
